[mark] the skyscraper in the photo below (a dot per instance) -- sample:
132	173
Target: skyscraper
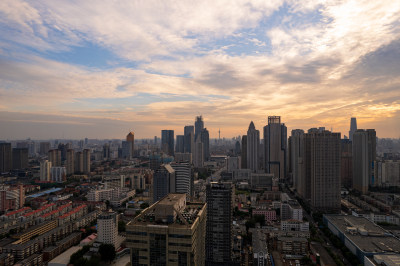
106	151
346	164
244	152
198	126
169	232
320	179
168	142
55	157
86	161
79	162
44	148
70	162
353	127
205	139
183	178
253	143
180	143
364	156
20	158
5	157
189	139
163	182
275	143
295	155
45	167
219	223
130	138
107	228
198	158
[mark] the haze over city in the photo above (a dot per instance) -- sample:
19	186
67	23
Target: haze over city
75	69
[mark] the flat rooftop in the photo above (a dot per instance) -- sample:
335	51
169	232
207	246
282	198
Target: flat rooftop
63	258
369	237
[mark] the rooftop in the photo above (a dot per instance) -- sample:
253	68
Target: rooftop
369	237
172	209
44	192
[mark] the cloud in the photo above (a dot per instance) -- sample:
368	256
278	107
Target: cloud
310	61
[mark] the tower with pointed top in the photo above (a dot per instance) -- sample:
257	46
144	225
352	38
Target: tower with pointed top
353	127
130	138
253	143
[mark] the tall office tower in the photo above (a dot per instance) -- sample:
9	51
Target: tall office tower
353	127
130	138
219	223
205	139
5	157
189	139
321	169
244	152
44	148
107	228
45	168
86	161
79	162
169	232
183	178
106	151
163	182
237	148
70	162
294	155
364	157
275	143
198	158
198	127
55	157
346	163
167	142
180	142
125	150
20	158
253	143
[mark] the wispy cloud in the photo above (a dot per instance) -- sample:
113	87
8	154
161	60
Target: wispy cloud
309	61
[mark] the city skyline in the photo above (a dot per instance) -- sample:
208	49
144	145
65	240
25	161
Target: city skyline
71	70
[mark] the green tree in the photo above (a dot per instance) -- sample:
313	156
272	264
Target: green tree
107	252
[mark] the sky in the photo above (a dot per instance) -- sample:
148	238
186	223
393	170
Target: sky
99	69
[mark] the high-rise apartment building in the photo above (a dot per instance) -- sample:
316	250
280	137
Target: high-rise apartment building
79	162
130	138
346	163
295	155
5	157
180	143
55	157
189	139
183	177
167	142
163	182
70	162
253	144
169	232
244	152
275	145
353	127
106	151
58	174
20	158
198	127
86	161
219	223
107	228
45	167
364	157
320	179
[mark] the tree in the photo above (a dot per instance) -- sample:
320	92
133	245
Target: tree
121	226
107	252
144	205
